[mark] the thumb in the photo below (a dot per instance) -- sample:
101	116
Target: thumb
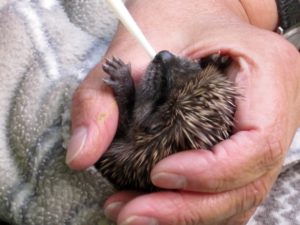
94	121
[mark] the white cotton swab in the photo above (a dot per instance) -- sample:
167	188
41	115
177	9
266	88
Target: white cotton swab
124	16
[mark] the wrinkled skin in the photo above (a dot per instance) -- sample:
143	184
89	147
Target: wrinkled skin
226	185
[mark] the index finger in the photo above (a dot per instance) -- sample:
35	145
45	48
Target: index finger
232	164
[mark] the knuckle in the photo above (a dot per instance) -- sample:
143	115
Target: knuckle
288	52
283	50
218	185
189	218
82	95
274	153
191	214
189	221
86	104
255	194
281	53
260	191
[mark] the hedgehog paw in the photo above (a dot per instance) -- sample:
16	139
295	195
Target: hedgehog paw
119	78
116	69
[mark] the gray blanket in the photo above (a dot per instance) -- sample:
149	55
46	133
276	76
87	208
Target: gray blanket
46	48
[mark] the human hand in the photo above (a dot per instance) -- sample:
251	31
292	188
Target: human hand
219	187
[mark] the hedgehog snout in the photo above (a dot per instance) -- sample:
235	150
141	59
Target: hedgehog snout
164	58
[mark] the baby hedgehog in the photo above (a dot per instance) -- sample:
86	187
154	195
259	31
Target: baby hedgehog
179	105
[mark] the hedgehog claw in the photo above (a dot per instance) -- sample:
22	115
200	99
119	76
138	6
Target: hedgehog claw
119	75
106	69
109	82
115	67
118	61
111	63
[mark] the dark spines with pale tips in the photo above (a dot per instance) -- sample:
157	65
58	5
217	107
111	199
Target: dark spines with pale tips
179	105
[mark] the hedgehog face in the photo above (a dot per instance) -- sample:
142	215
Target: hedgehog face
165	75
183	103
173	71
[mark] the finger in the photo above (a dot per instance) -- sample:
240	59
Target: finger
227	167
185	208
116	203
94	121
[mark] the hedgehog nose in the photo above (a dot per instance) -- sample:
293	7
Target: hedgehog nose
164	57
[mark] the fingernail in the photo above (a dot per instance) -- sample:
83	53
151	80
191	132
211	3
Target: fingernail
112	210
140	220
169	180
76	144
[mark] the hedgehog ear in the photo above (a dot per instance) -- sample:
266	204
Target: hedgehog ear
218	60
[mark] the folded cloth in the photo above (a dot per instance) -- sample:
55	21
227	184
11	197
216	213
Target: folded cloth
46	49
43	55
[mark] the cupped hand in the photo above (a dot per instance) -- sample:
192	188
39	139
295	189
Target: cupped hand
222	186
